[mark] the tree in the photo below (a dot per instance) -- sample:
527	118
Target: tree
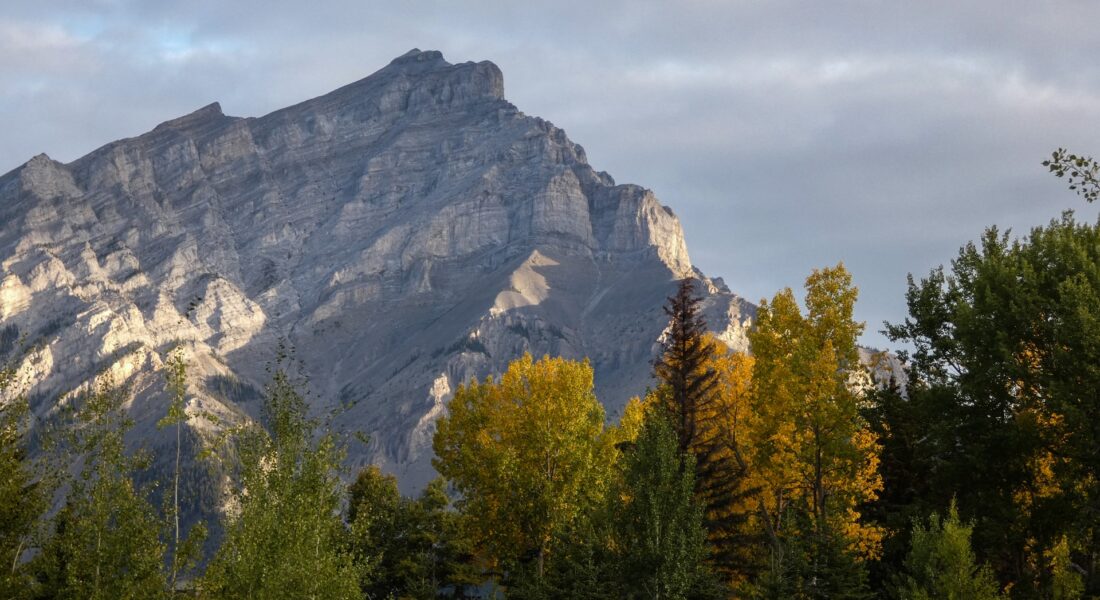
1066	582
414	548
657	524
691	395
941	563
284	535
1007	346
1083	171
917	429
23	495
185	550
106	539
810	566
690	386
528	454
810	451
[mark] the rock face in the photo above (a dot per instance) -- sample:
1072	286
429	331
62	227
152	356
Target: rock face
403	234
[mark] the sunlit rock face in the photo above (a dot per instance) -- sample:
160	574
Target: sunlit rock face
402	234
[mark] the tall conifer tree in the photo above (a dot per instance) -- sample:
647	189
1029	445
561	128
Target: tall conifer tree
689	392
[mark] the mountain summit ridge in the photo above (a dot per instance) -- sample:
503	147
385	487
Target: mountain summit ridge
404	233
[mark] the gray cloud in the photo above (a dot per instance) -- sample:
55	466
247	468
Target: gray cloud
787	135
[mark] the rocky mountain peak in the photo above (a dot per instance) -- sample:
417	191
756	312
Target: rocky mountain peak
209	114
404	233
416	56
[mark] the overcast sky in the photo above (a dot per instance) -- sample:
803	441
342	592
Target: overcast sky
786	135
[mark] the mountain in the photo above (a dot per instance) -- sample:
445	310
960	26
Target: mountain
402	234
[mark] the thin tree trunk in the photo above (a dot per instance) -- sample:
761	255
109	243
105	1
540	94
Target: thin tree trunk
176	511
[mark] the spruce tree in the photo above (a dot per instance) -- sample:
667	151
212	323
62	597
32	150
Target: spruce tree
689	393
411	548
813	566
682	367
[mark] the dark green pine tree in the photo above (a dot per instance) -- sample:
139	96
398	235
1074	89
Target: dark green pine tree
688	392
682	367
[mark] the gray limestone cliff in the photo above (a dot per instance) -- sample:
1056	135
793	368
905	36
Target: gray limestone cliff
403	234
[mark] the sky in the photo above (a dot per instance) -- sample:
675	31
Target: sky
787	136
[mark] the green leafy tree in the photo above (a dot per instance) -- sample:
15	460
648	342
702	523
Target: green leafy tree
284	537
414	548
657	526
1083	172
942	565
1004	364
528	454
185	550
106	539
23	495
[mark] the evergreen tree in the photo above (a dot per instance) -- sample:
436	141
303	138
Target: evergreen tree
106	539
690	394
690	386
284	536
811	566
584	565
941	563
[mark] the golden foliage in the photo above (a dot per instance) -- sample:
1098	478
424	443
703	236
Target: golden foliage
527	452
806	442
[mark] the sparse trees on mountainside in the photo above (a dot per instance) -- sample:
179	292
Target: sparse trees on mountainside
774	474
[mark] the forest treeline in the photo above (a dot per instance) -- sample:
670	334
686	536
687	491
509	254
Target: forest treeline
785	472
